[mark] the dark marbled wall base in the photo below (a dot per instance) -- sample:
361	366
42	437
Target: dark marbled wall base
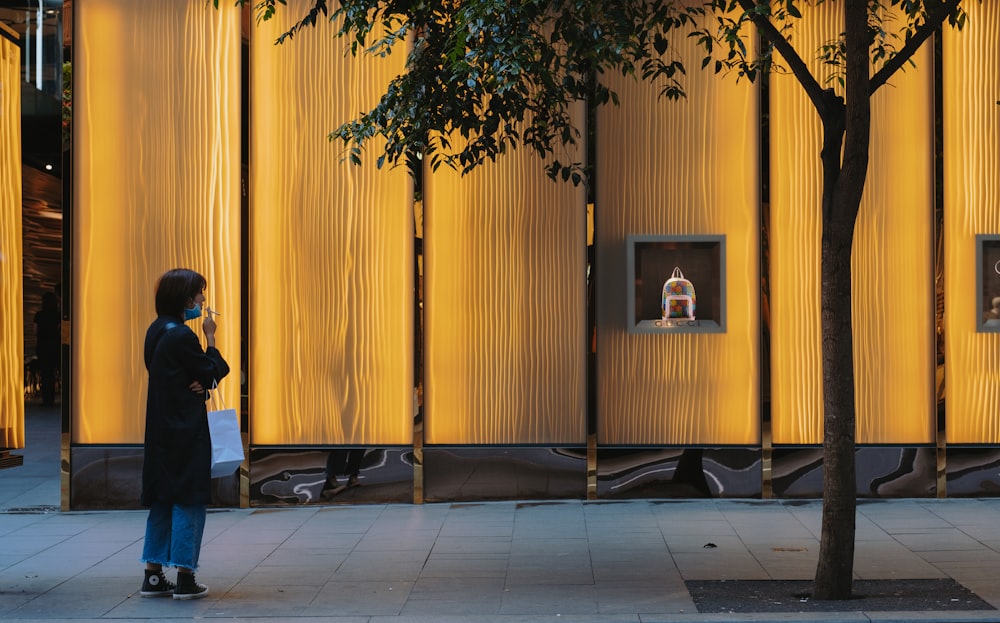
678	473
111	477
504	473
889	472
973	472
291	477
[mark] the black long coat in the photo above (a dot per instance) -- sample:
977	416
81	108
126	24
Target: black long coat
176	468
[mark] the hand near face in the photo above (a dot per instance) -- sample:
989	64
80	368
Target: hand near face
209	326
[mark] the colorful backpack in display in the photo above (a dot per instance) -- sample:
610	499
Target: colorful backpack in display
678	297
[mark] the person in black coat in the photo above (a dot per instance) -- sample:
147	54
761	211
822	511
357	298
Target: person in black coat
176	469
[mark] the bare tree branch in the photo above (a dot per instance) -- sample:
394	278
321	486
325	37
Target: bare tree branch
798	67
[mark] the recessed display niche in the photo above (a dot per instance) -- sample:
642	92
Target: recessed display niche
676	284
988	283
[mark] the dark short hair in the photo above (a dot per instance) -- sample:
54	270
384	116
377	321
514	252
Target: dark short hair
174	288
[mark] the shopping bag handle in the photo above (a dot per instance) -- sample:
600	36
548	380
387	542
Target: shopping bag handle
216	396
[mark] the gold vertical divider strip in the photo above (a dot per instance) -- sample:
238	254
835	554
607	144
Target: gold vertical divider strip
418	348
688	167
243	474
156	151
65	475
940	372
766	461
418	452
331	272
505	315
941	459
65	348
971	68
892	257
11	262
592	466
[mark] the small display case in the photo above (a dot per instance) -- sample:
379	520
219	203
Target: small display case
988	283
676	284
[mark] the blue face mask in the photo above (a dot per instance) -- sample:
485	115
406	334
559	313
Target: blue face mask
192	313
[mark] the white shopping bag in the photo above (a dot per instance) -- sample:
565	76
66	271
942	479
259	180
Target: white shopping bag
227	443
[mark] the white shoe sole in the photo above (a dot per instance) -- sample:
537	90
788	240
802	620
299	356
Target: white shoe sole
191	595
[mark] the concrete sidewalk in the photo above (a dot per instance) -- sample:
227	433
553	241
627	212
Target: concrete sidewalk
492	562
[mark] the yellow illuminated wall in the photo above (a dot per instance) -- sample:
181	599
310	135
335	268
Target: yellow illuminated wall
156	186
504	306
12	316
892	261
679	168
972	206
331	276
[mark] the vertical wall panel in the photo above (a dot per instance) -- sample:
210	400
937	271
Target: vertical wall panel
331	282
893	296
892	259
12	316
505	306
679	168
794	236
156	186
972	206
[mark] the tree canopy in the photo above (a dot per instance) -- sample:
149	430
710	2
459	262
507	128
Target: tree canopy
499	74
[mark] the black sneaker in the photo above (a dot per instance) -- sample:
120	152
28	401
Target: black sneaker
333	491
188	587
156	585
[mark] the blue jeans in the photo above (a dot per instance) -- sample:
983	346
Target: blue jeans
173	534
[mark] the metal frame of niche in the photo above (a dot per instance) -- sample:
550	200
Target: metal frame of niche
711	245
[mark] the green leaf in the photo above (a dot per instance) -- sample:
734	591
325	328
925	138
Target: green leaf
660	44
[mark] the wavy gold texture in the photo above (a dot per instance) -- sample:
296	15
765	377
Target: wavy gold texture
12	317
505	305
892	264
331	274
679	168
972	206
155	186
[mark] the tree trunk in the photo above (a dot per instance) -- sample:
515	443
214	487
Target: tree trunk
842	191
835	570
